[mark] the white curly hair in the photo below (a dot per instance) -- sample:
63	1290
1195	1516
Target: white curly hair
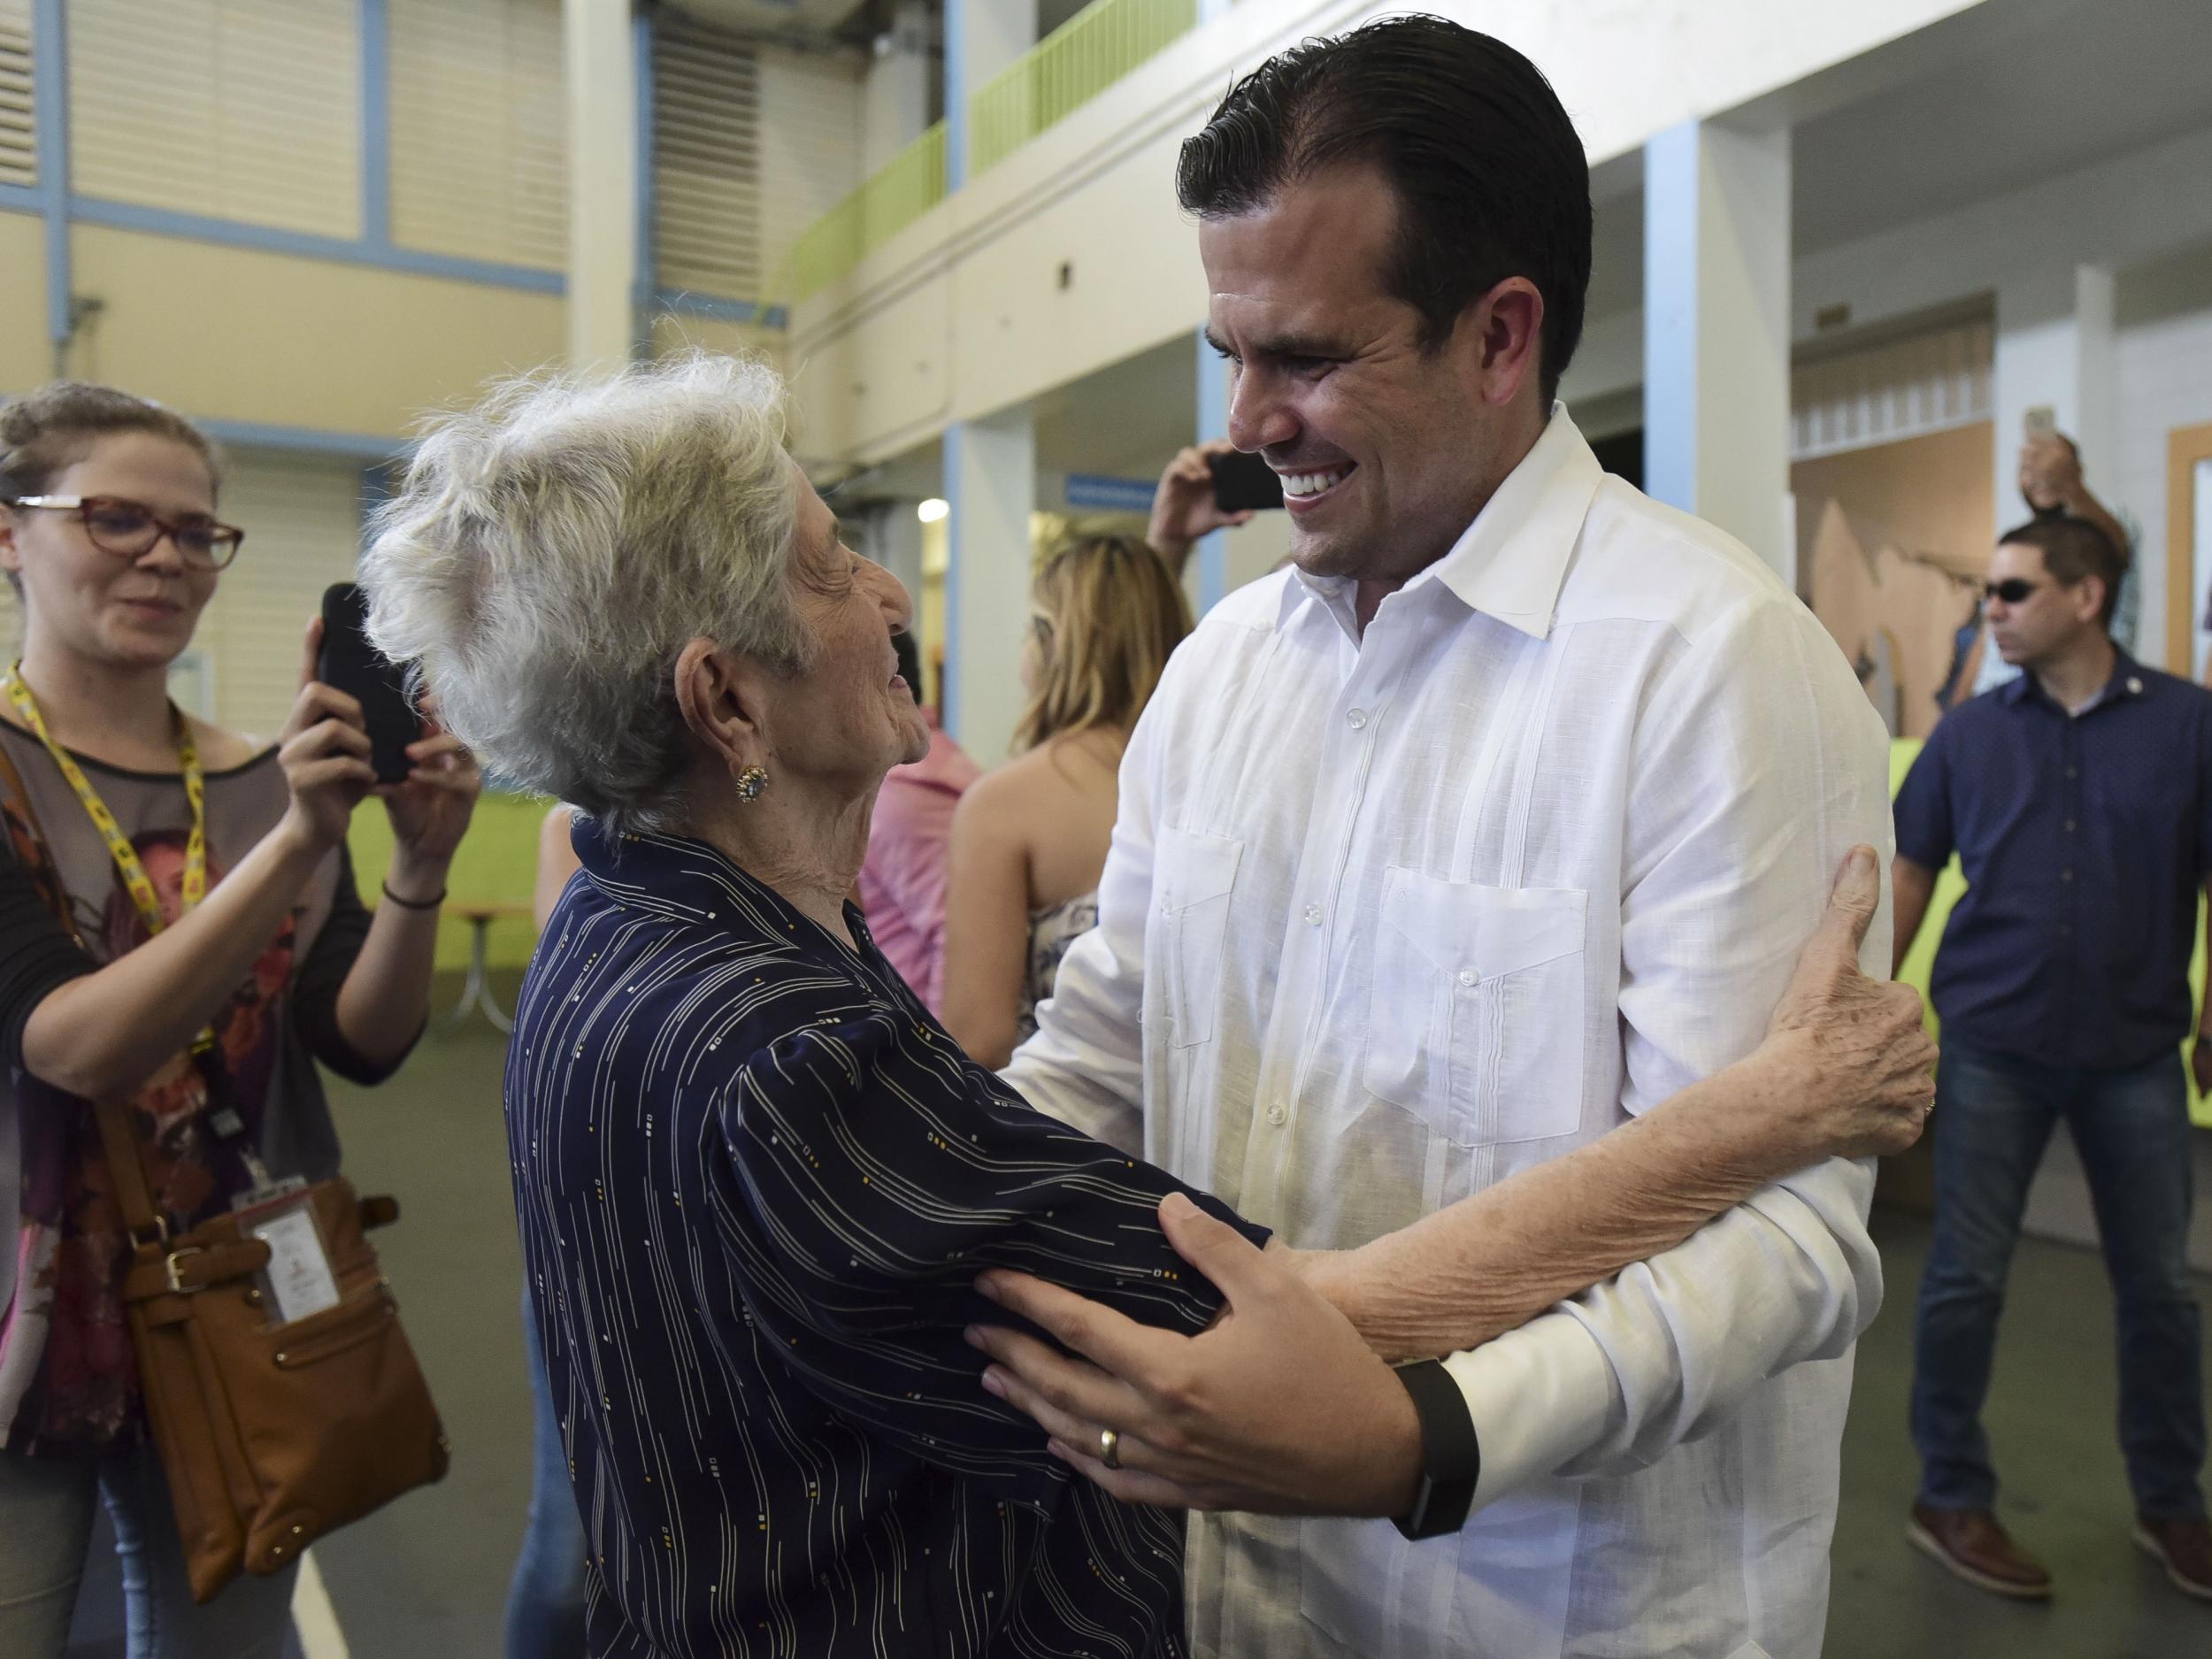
553	551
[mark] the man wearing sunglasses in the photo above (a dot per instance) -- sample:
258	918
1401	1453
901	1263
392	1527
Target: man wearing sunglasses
2079	798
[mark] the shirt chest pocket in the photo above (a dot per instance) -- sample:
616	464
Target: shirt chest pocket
1475	1020
1193	877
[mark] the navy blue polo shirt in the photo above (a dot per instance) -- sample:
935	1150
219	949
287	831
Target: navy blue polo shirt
2085	840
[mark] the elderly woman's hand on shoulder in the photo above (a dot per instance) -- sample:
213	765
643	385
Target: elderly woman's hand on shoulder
1852	1053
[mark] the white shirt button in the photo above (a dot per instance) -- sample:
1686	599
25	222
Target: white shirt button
1357	719
1467	976
1313	916
1276	1115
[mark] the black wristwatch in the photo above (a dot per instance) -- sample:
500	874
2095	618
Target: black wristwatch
1451	1457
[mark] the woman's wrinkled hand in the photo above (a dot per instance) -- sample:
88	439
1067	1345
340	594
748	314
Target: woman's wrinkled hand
1857	1060
430	810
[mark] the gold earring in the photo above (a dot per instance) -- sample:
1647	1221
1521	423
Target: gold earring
751	782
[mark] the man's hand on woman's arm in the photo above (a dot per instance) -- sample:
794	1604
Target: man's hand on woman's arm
1278	1407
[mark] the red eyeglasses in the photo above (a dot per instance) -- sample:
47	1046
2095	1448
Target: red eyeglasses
130	529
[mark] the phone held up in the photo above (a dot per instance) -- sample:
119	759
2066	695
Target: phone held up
349	663
1245	483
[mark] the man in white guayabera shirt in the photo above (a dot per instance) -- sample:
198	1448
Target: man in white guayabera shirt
1501	816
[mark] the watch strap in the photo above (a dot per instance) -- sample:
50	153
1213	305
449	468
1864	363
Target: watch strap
1451	1455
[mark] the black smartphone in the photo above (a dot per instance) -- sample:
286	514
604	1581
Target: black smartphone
349	663
1245	483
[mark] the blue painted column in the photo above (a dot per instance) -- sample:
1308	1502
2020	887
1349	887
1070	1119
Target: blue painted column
982	37
647	254
599	48
990	465
49	116
1213	422
1716	331
991	486
956	91
376	124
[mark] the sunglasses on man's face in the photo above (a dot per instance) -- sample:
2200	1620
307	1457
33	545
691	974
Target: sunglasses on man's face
2013	590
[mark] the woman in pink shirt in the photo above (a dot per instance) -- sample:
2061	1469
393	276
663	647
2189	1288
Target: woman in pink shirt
902	883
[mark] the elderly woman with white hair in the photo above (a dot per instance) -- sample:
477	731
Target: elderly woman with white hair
756	1181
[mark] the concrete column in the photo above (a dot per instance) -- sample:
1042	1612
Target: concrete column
2055	349
1717	334
991	484
895	542
981	38
600	59
1208	580
894	97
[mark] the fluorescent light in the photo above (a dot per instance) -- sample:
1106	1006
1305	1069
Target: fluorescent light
931	510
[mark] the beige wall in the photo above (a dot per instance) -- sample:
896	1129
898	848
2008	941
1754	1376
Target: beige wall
672	333
25	357
1892	541
229	333
1928	495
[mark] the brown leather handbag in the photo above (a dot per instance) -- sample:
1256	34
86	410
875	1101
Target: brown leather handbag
271	1435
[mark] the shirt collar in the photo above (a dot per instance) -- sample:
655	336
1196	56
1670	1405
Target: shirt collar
2127	681
684	877
1511	562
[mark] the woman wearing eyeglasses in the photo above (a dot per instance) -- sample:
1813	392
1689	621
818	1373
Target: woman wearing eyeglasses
209	896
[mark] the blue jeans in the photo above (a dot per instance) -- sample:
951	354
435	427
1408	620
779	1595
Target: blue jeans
46	1528
545	1603
1993	1117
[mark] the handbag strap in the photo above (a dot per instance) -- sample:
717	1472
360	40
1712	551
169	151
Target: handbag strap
127	1170
124	1158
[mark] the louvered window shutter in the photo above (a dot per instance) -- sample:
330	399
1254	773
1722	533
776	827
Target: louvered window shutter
1927	381
478	147
244	109
301	514
19	132
706	160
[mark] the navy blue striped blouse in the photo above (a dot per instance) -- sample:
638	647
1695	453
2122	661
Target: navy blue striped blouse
755	1182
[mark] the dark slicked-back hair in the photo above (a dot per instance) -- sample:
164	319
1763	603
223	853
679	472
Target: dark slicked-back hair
2073	548
1491	177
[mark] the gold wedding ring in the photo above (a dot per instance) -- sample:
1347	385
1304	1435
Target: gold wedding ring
1109	1449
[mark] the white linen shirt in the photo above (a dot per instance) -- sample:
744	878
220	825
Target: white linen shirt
1390	917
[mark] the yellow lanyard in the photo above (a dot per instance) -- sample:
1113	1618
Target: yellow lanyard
120	848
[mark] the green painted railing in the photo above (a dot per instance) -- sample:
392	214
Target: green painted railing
1067	69
907	185
1061	72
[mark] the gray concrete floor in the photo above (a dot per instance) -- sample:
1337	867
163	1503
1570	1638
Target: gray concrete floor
428	1576
2051	1416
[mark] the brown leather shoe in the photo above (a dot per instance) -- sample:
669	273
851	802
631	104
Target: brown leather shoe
2183	1549
1972	1546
